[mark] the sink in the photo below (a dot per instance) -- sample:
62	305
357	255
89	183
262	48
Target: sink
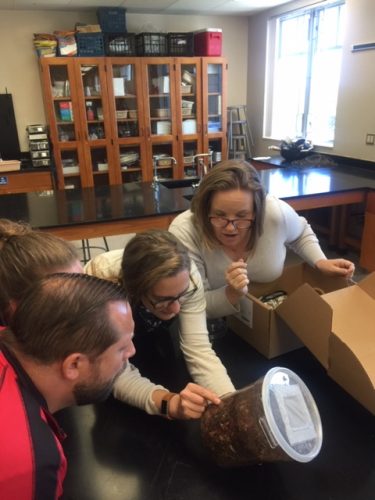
179	183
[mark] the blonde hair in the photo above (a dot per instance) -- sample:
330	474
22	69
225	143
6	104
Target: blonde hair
226	176
26	256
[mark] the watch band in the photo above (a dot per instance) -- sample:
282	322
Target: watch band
164	407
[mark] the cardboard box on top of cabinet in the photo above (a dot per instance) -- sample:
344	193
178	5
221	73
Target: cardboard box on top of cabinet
336	326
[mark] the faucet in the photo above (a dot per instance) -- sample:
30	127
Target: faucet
155	159
202	168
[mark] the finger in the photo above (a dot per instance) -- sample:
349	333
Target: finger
191	415
189	407
237	265
203	393
236	272
240	282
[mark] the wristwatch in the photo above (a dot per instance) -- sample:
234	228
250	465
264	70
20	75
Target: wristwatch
164	408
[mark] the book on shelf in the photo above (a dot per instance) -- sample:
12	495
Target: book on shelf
66	111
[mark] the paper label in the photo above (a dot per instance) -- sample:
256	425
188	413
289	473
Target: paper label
299	426
246	311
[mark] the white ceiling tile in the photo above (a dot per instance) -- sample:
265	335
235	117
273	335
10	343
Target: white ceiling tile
150	6
216	7
92	3
40	4
195	5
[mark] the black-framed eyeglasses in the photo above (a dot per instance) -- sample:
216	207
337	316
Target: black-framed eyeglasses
222	222
165	302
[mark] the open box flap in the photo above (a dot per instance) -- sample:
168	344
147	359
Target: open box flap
368	284
354	325
354	375
339	329
310	318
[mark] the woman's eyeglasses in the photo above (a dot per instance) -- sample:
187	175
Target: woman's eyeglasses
165	302
222	222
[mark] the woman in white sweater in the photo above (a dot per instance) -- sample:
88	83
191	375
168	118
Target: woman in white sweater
236	233
163	284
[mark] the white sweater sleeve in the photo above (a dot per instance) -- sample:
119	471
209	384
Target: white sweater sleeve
106	265
204	366
135	390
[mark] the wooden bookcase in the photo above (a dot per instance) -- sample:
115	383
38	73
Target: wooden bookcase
112	118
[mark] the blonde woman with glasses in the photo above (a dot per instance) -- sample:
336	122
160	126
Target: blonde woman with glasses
165	290
236	233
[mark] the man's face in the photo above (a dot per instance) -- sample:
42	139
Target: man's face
107	367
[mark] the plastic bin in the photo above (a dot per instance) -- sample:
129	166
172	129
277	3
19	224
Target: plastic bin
119	44
208	42
90	44
152	44
181	44
161	112
112	19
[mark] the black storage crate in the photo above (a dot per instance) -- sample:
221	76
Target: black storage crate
181	44
90	44
152	44
112	19
119	44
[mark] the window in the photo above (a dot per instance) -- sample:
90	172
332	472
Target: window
303	73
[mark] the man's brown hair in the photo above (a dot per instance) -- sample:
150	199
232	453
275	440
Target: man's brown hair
27	255
62	314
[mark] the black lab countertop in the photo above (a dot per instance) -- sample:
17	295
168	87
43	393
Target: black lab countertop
116	452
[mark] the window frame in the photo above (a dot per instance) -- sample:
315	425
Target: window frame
272	44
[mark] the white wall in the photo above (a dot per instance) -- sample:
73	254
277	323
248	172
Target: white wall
19	72
356	99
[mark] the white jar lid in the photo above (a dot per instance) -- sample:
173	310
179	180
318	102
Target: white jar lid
291	414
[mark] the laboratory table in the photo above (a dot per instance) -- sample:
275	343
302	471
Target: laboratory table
137	206
116	452
108	210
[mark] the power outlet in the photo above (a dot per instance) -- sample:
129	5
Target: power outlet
370	139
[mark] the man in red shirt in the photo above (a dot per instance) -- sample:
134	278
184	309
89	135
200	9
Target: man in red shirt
69	339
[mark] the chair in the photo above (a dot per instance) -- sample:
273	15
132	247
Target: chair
86	249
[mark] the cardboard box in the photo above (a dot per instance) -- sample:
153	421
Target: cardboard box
10	165
260	326
339	329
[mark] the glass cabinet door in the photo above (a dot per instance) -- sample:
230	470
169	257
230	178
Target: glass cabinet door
127	115
64	113
160	112
92	86
62	108
214	107
160	96
189	114
214	98
125	93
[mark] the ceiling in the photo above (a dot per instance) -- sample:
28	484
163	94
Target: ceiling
197	7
